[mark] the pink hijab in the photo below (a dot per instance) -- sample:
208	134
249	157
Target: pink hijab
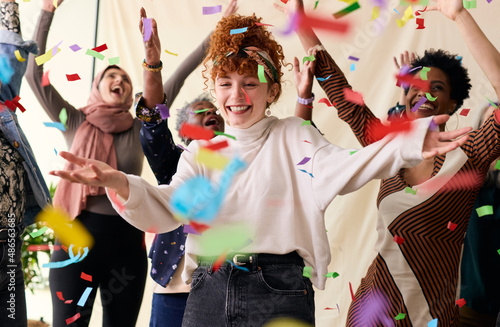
94	140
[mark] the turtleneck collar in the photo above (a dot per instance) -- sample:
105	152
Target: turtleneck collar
252	133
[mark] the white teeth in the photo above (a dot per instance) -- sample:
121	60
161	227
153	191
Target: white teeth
426	107
240	108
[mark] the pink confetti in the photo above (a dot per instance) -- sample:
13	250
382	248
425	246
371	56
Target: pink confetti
451	226
247	98
54	49
45	79
325	101
353	97
72	319
148	29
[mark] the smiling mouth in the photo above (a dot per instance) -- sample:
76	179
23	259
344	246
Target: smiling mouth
116	90
238	108
211	122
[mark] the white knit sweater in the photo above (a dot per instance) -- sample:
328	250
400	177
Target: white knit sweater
281	207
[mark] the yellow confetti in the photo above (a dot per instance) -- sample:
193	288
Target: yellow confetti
407	16
375	12
18	56
173	54
55	3
40	60
211	159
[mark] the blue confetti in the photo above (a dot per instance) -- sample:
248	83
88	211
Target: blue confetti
238	30
321	79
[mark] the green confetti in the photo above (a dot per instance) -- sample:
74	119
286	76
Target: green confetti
400	316
95	54
306	122
352	152
310	58
469	4
491	102
307	272
63	117
423	73
316	4
498	251
410	190
497	165
114	61
261	74
332	275
39	232
201	110
484	211
227	135
429	97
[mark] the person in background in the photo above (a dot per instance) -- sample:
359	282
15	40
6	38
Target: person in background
23	192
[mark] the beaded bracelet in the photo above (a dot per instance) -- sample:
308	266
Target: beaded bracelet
151	68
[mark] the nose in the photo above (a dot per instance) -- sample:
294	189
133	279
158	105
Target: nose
237	92
210	111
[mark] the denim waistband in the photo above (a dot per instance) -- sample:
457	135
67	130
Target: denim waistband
252	261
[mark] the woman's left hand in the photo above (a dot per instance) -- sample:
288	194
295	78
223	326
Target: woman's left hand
152	46
437	143
449	8
304	78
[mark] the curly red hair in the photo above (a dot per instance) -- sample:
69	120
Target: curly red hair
222	42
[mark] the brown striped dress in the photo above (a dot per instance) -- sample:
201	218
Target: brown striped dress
419	276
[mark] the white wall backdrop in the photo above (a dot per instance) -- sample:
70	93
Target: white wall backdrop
350	220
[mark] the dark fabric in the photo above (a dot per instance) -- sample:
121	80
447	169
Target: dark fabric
480	268
12	297
168	309
233	297
472	318
118	265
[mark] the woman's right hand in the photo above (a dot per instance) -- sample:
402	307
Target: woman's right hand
152	46
405	60
304	78
231	8
48	5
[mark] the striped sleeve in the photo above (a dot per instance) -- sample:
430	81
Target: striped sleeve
358	117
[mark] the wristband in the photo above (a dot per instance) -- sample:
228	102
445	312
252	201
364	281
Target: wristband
151	68
307	101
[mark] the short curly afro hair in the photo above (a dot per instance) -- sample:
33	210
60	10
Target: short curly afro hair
222	42
183	113
452	67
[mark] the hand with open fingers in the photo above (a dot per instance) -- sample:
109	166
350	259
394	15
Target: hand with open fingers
449	8
405	59
437	143
304	77
291	7
231	8
152	46
48	5
92	172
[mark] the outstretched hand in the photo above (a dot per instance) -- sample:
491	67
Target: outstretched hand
449	8
94	173
231	8
152	46
437	143
405	59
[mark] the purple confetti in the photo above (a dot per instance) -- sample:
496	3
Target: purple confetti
212	10
353	58
418	104
148	29
293	24
75	47
183	148
190	230
413	69
303	161
54	49
433	126
164	111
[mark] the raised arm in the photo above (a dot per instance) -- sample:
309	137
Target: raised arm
483	51
48	97
303	82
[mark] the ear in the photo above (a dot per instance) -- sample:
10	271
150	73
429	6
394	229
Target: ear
272	92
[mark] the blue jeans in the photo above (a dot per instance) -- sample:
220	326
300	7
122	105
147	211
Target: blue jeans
233	297
12	297
167	309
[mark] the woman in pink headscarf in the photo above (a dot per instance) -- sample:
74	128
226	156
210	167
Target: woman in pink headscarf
103	130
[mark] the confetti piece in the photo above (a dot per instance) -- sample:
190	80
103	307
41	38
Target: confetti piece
469	4
72	319
261	74
332	275
352	293
430	97
164	110
306	122
353	58
464	112
58	125
347	10
302	170
198	227
321	79
328	308
303	161
247	98
410	80
284	1
420	23
452	226
171	53
497	165
63	117
54	3
39	232
305	22
114	198
43	247
217	146
211	159
60	296
100	48
375	12
55	151
56	49
72	77
400	316
188	229
423	73
201	110
353	97
67	231
45	79
308	58
218	263
408	14
224	134
6	70
433	323
68	301
484	211
148	28
353	67
114	61
316	4
18	56
396	11
212	10
491	103
238	267
84	297
352	152
460	181
195	132
40	60
325	101
95	54
72	259
307	272
238	30
86	277
418	104
498	251
398	239
75	47
306	141
460	302
410	190
222	238
419	12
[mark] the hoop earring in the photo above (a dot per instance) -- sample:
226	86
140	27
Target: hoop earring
217	112
268	112
456	126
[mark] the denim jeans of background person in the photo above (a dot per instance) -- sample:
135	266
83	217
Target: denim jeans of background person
23	191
